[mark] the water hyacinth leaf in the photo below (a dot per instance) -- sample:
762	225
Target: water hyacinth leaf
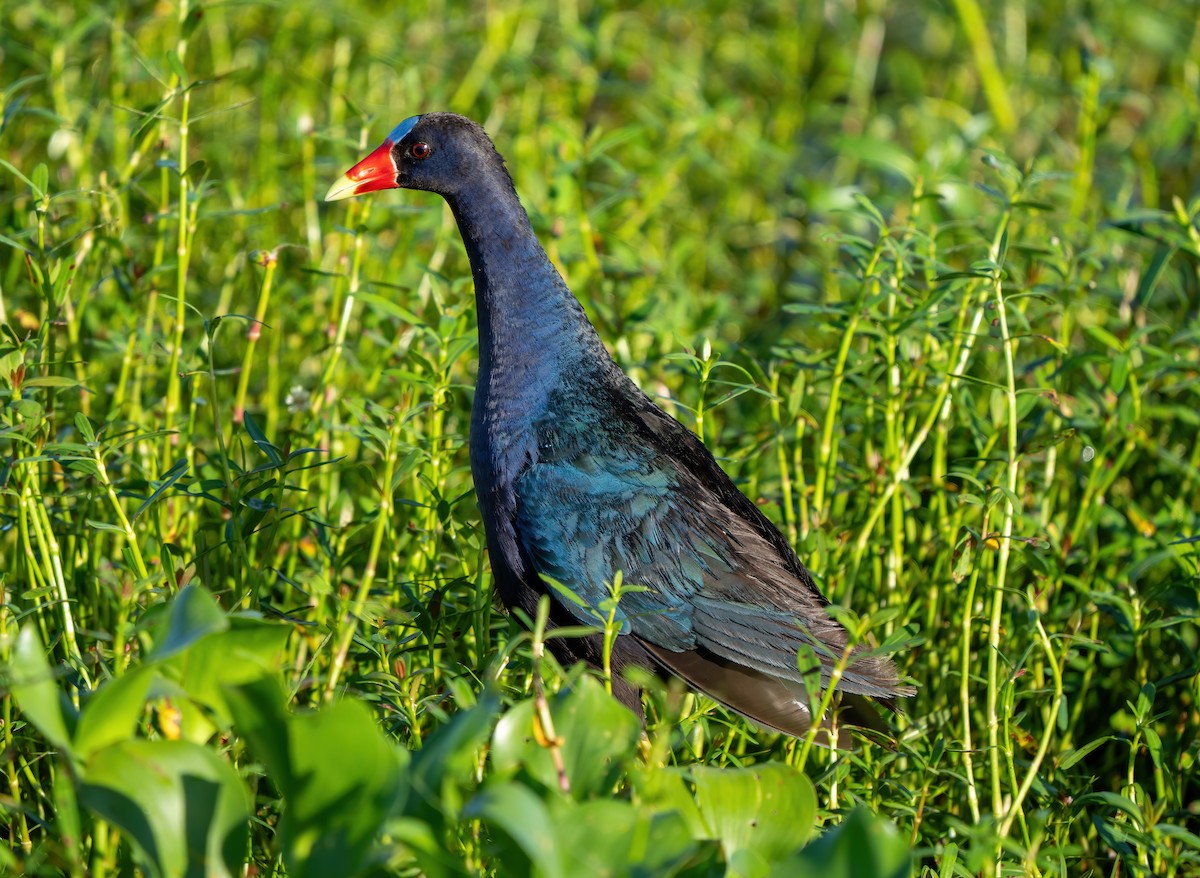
660	843
862	844
428	850
758	814
194	614
595	735
112	713
182	806
34	689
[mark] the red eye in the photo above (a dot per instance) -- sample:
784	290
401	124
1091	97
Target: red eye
420	150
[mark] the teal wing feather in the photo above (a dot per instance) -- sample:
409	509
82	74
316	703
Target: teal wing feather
583	519
712	580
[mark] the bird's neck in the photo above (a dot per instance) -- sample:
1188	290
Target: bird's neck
531	327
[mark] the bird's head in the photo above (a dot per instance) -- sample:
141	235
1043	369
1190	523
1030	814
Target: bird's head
436	152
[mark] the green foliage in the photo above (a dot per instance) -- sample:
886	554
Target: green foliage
928	283
351	799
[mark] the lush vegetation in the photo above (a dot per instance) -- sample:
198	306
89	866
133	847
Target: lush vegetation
927	282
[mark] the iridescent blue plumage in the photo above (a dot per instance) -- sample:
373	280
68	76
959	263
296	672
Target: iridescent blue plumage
399	132
579	475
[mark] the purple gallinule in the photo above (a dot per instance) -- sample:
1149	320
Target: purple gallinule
580	475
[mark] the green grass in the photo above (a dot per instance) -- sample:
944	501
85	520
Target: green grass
927	282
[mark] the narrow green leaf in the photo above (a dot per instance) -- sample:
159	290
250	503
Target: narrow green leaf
84	426
41	179
260	439
173	475
12	169
176	65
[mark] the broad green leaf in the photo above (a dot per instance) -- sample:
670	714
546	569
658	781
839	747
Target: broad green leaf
526	824
428	849
340	777
259	711
193	615
596	734
663	790
345	781
183	807
34	688
659	844
614	837
758	814
862	844
112	713
247	651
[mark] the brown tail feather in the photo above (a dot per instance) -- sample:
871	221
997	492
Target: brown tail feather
776	704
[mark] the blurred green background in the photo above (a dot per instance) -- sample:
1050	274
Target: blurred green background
925	277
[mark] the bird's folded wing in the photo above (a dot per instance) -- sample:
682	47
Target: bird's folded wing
710	580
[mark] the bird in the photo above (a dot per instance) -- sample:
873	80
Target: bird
581	477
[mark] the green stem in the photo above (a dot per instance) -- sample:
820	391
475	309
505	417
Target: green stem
994	87
269	259
826	457
995	739
382	528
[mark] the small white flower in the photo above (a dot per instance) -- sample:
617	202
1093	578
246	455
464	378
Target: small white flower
297	399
